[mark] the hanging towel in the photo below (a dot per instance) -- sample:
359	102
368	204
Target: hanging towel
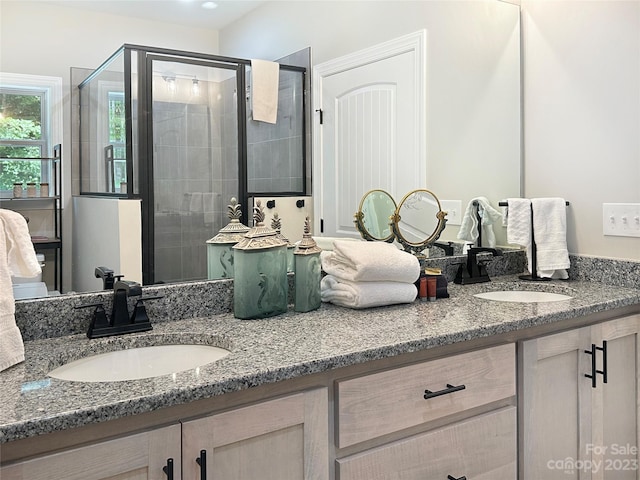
469	225
265	77
519	224
17	258
370	262
365	294
550	235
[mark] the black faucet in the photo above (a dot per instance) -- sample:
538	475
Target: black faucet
123	289
448	248
107	276
475	271
120	321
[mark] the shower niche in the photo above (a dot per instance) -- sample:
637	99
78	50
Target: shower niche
172	130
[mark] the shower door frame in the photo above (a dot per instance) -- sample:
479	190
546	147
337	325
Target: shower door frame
146	145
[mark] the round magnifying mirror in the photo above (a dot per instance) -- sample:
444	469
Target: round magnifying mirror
373	218
418	220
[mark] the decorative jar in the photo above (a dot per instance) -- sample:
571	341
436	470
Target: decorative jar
276	224
307	272
260	284
219	248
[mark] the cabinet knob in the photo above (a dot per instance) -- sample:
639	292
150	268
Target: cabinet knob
202	461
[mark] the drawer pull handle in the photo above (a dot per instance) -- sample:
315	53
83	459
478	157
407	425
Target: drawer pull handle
450	389
202	461
451	477
168	470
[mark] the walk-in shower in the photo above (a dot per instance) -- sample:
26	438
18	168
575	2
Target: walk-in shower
174	130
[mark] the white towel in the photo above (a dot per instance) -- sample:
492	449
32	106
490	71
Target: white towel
17	258
550	235
469	225
370	262
265	77
365	294
519	224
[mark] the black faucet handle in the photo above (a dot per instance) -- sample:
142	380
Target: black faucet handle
140	311
98	319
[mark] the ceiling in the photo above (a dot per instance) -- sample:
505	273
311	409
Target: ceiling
183	12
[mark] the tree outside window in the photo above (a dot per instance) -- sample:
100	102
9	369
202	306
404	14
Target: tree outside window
21	136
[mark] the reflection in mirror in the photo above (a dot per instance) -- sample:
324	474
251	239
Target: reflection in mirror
373	218
416	223
418	220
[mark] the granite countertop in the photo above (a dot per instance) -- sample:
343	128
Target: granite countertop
274	349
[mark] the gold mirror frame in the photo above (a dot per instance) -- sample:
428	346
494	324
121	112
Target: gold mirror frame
359	218
416	248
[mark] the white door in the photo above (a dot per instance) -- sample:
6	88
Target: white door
372	133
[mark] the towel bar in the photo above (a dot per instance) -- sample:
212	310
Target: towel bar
534	253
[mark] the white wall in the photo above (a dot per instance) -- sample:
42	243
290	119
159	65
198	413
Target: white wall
473	77
40	38
582	113
107	232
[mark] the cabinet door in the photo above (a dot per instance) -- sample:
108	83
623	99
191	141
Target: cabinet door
555	404
284	438
616	427
135	457
481	448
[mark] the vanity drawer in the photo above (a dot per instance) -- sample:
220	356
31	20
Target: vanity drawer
389	401
481	448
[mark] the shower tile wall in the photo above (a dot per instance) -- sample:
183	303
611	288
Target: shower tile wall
190	185
274	152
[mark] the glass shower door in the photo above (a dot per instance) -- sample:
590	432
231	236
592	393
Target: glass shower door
194	163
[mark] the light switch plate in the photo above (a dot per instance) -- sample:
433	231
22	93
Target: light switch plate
454	211
621	219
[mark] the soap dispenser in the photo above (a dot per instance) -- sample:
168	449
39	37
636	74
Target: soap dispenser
260	285
276	224
307	272
219	251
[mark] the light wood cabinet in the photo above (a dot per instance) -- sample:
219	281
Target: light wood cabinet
136	457
571	429
377	404
473	386
481	448
283	438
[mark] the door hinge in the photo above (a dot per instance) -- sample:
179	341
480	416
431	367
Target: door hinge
319	110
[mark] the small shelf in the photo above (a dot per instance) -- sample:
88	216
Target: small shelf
29	199
52	202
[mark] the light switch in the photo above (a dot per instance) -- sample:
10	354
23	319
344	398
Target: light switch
621	219
454	211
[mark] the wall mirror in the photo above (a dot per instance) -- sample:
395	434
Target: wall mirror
473	84
416	222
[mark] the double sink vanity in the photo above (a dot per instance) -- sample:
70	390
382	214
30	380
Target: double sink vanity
482	388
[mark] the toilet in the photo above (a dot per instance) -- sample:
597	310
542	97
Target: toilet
34	287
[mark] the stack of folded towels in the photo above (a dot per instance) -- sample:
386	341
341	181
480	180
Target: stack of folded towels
368	274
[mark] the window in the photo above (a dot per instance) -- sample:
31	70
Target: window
30	124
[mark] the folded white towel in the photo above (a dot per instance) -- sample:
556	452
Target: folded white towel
469	225
550	235
370	262
265	77
365	294
519	224
17	258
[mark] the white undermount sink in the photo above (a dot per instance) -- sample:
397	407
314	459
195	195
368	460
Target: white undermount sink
522	296
138	363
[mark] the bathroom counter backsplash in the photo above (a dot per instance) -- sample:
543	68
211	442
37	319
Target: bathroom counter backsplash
58	316
270	350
